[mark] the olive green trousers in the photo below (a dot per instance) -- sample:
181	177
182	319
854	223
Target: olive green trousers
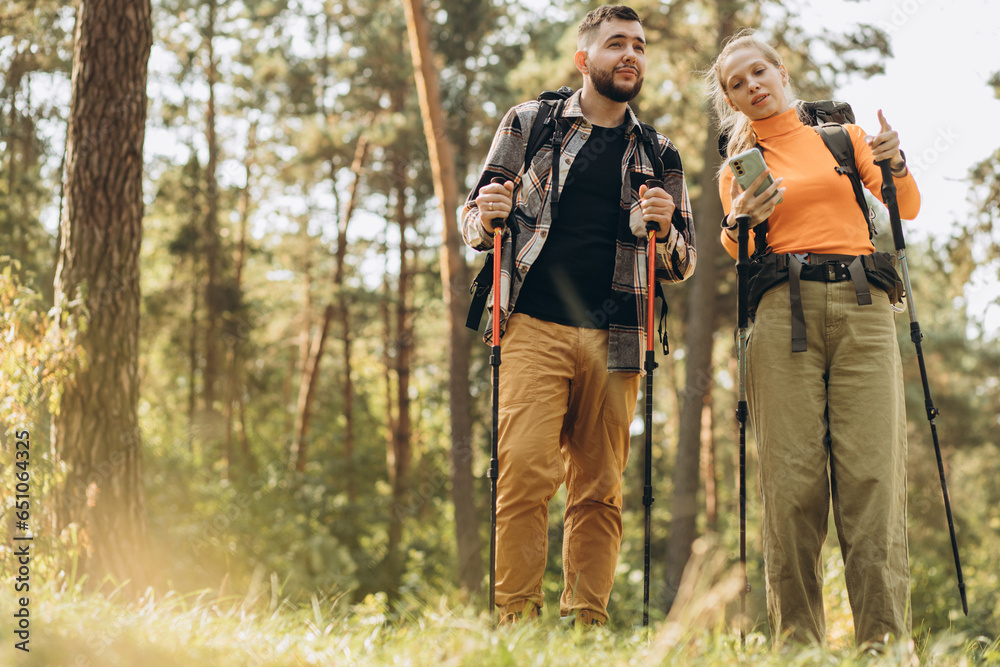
831	422
563	416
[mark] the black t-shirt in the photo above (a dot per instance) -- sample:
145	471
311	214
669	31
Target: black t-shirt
570	281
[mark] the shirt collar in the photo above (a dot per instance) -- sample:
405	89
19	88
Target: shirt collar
781	123
573	110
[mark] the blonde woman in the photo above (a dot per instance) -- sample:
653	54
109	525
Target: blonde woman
824	376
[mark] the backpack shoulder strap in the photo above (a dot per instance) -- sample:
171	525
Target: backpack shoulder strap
652	144
827	111
541	129
838	141
480	292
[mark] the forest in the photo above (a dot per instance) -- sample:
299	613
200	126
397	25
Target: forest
233	295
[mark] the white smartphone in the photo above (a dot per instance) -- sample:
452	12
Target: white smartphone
747	166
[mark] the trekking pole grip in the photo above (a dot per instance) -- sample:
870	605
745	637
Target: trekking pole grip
499	222
889	199
652	225
742	270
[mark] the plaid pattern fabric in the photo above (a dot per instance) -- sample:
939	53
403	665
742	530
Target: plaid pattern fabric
675	256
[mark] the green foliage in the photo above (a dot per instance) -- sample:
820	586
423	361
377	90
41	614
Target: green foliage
37	355
35	53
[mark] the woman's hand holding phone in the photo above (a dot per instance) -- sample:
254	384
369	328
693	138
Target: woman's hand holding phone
758	207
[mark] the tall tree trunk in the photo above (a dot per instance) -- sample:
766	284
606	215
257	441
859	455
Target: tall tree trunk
307	391
387	356
212	246
698	359
193	362
344	312
400	454
455	276
193	254
310	372
95	434
708	463
301	362
237	337
286	400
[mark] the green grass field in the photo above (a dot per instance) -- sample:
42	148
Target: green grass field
262	629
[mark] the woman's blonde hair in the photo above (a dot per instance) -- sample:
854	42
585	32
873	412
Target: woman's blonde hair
732	123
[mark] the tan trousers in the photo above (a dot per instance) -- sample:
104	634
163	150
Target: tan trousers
563	416
849	382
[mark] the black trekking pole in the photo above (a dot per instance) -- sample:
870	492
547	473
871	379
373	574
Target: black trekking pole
494	471
650	364
742	319
889	198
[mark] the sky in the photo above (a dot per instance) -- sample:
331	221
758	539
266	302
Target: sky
935	94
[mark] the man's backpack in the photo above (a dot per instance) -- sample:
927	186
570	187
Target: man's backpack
549	123
827	118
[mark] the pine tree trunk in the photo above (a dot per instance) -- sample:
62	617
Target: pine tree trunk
237	338
212	246
310	372
455	276
400	454
193	444
387	357
96	431
307	391
708	472
300	357
698	358
344	313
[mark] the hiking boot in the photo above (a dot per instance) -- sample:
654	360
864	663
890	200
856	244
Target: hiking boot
588	618
515	613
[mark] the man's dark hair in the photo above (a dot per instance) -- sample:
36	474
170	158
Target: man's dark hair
592	21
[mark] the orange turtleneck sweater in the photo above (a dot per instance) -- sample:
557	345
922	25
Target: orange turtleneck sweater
819	213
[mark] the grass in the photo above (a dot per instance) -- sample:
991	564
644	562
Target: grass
260	629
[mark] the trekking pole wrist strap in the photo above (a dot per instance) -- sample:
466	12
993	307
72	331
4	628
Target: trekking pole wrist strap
902	171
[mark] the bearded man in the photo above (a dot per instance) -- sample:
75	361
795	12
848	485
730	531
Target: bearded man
572	312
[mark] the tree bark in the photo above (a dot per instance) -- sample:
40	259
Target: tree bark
455	277
300	359
193	364
96	433
344	313
236	338
698	358
212	246
708	466
386	314
400	453
310	372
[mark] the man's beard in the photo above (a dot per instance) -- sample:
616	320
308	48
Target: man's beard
604	83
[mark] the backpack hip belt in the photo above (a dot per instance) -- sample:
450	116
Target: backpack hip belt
772	269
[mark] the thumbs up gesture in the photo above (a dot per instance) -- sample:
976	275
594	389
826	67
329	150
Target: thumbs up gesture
885	145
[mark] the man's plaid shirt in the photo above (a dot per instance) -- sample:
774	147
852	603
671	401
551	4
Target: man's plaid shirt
675	256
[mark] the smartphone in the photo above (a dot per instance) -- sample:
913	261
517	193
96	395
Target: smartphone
747	166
